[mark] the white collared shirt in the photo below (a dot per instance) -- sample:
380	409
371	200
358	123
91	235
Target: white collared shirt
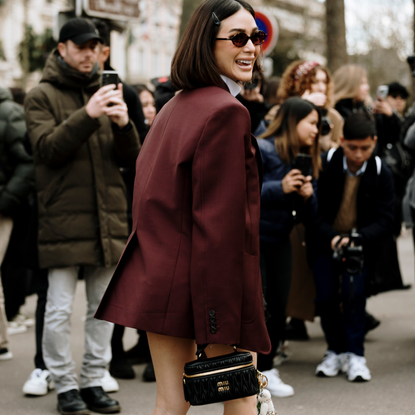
358	173
234	88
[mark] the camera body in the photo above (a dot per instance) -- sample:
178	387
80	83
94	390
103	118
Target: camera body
325	125
350	256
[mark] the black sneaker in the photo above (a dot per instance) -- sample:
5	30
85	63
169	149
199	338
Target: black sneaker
296	330
98	401
5	354
121	368
371	322
71	403
148	374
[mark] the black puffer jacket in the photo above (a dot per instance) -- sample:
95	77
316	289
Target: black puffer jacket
17	173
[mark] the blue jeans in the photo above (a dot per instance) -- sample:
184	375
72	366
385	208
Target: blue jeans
342	311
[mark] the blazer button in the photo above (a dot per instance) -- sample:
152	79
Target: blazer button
213	331
211	313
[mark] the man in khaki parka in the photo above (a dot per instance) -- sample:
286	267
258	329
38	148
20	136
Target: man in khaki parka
79	143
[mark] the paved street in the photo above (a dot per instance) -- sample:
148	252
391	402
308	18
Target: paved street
390	351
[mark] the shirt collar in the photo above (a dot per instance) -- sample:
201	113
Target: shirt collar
358	173
234	88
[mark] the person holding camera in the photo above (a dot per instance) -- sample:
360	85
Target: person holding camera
79	144
355	191
290	154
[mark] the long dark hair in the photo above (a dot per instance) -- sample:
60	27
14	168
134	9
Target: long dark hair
194	64
284	128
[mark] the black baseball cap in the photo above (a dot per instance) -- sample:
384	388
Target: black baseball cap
79	31
398	89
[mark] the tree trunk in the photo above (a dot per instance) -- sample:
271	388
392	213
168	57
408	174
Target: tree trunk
188	8
336	34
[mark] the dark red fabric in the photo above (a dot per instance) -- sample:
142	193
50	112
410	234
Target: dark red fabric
191	265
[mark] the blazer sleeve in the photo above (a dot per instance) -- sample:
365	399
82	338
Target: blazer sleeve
219	199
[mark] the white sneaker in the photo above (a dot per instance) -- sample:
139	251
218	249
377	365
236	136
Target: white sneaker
357	371
5	354
109	384
276	386
24	320
39	383
16	328
330	365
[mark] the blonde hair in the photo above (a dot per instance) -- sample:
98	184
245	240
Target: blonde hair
347	80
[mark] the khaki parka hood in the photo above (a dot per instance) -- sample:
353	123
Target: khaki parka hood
59	73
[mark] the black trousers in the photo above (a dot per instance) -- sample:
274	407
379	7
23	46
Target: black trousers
42	284
276	268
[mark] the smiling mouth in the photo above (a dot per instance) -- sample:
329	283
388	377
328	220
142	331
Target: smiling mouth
244	63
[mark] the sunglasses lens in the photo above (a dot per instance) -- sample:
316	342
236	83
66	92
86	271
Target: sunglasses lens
239	40
259	38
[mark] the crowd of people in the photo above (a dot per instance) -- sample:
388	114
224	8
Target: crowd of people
202	248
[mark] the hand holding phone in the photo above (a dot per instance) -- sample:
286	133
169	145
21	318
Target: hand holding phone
382	92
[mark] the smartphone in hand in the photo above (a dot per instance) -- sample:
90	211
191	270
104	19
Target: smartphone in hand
110	77
303	162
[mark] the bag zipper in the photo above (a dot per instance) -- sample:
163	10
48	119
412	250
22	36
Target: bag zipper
214	372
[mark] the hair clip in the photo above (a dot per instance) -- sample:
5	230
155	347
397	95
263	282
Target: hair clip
215	19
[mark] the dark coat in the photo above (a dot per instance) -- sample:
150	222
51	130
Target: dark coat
348	106
191	265
17	172
375	206
81	194
277	220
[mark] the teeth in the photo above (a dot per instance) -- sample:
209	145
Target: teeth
247	62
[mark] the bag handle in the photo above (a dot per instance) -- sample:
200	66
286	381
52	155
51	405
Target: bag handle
201	348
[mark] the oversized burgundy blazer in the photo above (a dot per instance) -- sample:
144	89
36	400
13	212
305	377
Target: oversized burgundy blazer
191	265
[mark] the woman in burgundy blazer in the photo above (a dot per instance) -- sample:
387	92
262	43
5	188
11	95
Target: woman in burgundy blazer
190	271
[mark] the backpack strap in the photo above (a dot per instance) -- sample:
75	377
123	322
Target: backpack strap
330	154
378	165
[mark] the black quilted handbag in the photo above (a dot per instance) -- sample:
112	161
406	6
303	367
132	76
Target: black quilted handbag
219	379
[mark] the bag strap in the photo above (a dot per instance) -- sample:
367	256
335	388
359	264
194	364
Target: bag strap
201	348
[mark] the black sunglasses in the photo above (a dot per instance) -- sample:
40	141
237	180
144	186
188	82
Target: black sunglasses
394	96
241	39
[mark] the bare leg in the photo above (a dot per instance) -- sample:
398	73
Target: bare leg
244	406
169	356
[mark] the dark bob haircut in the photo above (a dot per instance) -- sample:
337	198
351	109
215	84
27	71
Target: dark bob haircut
359	126
193	64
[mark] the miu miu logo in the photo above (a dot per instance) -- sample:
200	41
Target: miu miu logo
223	386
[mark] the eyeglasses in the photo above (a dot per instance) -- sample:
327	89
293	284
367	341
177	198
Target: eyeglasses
394	96
241	39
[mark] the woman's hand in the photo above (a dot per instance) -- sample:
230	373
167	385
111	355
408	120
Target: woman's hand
317	98
306	190
382	107
293	181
